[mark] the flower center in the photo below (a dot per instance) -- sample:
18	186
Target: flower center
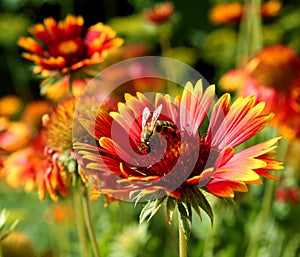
73	50
183	156
68	47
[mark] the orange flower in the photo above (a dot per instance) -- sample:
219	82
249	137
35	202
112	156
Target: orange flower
166	150
60	214
60	47
160	13
58	150
47	163
33	112
58	125
273	75
226	13
270	8
232	12
14	135
21	168
10	105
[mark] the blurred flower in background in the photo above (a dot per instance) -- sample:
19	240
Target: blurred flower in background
273	75
160	13
232	12
19	142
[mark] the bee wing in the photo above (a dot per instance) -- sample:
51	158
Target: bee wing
155	116
145	117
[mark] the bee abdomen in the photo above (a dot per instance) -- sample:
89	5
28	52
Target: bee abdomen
161	124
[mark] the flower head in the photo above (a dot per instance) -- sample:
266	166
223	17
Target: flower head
58	154
226	13
273	75
22	167
10	105
160	13
166	149
14	135
46	161
60	48
232	12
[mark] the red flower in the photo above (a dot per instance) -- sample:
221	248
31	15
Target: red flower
171	152
60	47
46	163
160	13
273	75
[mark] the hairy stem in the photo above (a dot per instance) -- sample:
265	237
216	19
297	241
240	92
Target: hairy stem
88	222
83	243
182	240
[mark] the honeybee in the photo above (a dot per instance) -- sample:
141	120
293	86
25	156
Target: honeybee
154	126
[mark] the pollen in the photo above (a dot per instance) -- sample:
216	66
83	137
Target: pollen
68	47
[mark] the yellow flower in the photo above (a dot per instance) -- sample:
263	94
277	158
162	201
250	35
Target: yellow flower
10	105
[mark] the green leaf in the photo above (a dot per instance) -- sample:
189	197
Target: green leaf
185	217
171	205
203	203
150	209
144	196
49	82
193	201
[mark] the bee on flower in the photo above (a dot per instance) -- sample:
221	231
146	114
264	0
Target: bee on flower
164	151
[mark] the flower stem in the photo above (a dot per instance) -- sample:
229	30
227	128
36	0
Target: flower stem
80	220
261	220
250	32
88	221
71	80
182	240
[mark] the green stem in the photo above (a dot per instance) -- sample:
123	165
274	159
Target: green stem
71	80
88	222
261	220
250	32
182	240
164	38
83	244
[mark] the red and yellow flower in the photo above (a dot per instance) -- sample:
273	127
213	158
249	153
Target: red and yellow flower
60	48
46	161
22	167
19	144
160	13
60	163
273	75
183	157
